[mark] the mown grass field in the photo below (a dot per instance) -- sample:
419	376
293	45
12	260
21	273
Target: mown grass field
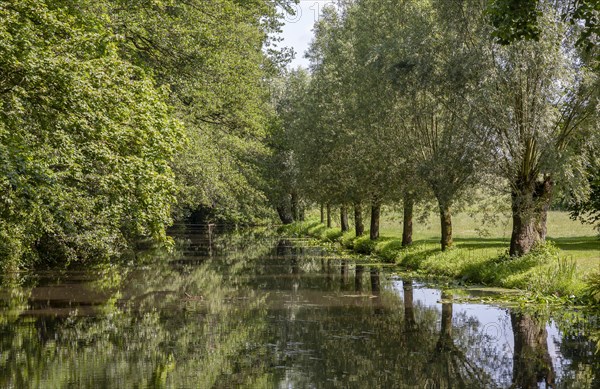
577	240
480	251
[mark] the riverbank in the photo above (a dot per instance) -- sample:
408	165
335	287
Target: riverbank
562	268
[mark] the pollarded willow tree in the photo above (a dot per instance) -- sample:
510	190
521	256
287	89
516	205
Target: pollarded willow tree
541	99
281	169
331	152
431	55
434	92
383	168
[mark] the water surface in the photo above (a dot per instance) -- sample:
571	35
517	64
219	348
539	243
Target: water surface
250	310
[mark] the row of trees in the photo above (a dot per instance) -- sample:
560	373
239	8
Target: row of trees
421	99
117	116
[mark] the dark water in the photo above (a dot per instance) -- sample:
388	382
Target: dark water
248	310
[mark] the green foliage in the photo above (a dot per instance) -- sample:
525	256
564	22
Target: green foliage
364	245
592	290
514	20
309	227
331	234
544	270
389	249
347	240
587	209
210	56
86	139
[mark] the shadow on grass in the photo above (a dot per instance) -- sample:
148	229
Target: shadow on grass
582	243
482	243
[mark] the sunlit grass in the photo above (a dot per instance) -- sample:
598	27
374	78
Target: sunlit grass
480	254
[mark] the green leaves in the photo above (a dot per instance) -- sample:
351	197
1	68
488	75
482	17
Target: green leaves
210	57
514	20
87	139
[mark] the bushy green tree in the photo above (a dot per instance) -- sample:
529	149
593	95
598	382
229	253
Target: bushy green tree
86	139
215	57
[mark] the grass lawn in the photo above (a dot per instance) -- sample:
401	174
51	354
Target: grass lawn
480	256
577	240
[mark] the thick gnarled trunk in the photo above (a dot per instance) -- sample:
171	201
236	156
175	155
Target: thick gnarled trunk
359	226
375	214
285	215
446	224
530	204
407	223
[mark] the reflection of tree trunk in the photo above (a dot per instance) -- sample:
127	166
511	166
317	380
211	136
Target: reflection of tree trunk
407	229
410	323
344	218
375	290
446	223
530	204
322	214
210	239
345	270
359	226
375	214
449	366
413	342
358	278
531	360
445	342
375	281
284	248
328	275
328	215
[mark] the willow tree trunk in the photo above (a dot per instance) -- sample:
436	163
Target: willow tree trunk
446	224
322	214
285	215
407	227
328	215
359	226
295	206
375	213
344	218
530	204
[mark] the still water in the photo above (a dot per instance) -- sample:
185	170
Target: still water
251	310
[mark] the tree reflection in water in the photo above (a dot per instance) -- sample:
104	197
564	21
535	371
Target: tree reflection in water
256	312
532	362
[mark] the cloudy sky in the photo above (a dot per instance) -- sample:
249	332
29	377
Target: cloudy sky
297	32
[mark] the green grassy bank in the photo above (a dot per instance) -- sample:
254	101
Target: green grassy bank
564	267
